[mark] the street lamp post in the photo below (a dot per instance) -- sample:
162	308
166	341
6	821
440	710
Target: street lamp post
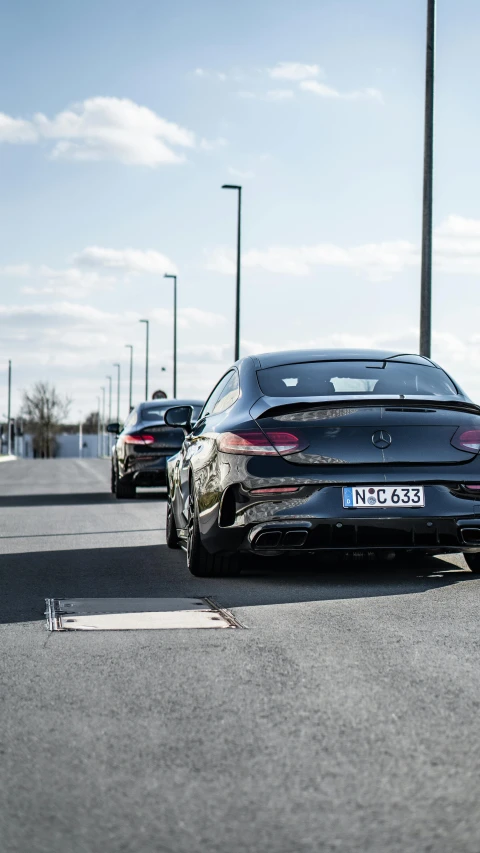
103	420
98	426
426	276
130	347
174	277
80	436
147	329
9	410
107	435
118	392
109	398
237	299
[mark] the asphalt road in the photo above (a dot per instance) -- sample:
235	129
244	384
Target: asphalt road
346	718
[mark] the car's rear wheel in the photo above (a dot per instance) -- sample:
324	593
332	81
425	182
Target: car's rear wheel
200	562
171	529
123	489
473	562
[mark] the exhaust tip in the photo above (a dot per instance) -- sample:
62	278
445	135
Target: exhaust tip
268	539
471	535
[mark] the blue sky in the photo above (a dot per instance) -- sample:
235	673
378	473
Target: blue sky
118	124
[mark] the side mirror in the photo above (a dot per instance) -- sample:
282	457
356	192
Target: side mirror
179	416
115	428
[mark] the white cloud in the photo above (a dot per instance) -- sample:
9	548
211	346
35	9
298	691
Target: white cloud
72	283
378	261
458	226
16	130
324	91
456	246
293	71
305	76
456	250
69	282
127	260
87	272
221	260
16	270
205	353
104	128
279	95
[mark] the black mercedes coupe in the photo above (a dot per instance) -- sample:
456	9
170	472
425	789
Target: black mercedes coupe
143	445
323	452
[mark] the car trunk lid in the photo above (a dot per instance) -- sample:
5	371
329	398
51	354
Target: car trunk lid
166	439
349	432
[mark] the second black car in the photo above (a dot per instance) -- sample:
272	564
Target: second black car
143	446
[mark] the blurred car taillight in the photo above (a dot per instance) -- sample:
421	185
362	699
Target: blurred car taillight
467	440
139	438
257	443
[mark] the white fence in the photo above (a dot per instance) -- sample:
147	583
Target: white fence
68	446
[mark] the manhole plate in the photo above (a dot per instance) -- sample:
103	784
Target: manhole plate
135	614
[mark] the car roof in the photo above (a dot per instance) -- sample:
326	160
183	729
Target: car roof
173	402
275	359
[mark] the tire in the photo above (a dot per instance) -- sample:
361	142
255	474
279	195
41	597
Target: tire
124	489
171	530
200	562
473	563
112	480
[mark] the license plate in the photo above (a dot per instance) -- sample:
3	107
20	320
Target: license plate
357	497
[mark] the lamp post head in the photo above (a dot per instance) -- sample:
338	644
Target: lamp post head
170	275
230	187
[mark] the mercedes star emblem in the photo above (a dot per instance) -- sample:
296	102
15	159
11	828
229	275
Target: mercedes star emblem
381	439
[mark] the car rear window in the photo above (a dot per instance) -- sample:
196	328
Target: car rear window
327	378
153	413
156	413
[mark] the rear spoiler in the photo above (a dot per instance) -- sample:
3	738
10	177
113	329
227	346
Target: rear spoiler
281	405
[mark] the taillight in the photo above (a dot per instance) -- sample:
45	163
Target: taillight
472	487
139	438
467	440
275	490
257	443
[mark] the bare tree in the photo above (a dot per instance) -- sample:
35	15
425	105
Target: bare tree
44	410
90	424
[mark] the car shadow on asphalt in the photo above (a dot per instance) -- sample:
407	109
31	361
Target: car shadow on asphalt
76	499
155	571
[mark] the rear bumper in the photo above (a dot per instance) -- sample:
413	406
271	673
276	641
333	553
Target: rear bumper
315	520
435	535
147	472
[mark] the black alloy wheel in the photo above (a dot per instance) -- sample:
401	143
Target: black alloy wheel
200	562
473	563
171	530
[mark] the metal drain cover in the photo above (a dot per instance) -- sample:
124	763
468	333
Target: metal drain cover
135	614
